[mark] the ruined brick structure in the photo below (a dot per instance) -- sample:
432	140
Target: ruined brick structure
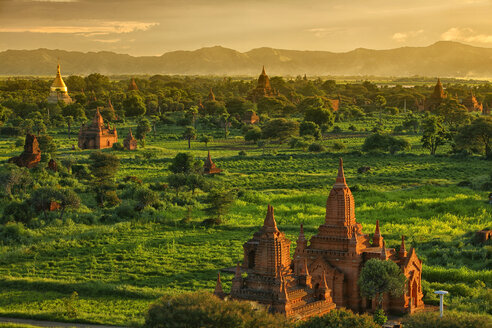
58	90
130	143
96	135
324	272
211	95
209	166
31	155
263	88
435	98
471	103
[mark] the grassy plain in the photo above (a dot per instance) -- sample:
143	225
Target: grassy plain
119	267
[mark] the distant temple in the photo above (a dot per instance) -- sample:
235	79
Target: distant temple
96	135
250	117
130	143
324	273
263	88
58	90
209	166
436	98
132	85
471	103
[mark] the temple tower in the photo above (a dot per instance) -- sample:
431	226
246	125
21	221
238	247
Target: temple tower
58	90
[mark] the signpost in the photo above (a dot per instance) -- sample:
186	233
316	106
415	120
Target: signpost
441	294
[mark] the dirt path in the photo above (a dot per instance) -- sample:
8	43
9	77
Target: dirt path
40	323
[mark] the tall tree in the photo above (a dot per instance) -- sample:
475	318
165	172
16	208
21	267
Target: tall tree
378	277
434	134
476	137
189	134
103	168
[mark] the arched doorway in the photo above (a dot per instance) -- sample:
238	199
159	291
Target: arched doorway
251	259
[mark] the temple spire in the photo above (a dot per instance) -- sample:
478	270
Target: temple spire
131	134
384	256
219	292
301	234
403	251
269	223
340	181
263	71
377	239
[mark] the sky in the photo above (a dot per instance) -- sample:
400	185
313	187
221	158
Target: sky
153	27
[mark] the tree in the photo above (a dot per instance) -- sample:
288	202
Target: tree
385	142
134	104
185	163
378	277
380	102
69	120
67	199
281	129
75	110
476	137
47	144
220	200
42	199
145	197
205	310
206	139
308	128
189	134
177	181
453	113
434	133
103	167
253	134
143	128
319	115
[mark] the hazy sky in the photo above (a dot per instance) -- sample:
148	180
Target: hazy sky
152	27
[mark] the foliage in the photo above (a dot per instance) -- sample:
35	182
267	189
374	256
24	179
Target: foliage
339	318
385	142
185	163
476	137
451	319
379	317
253	134
143	128
47	144
308	128
201	309
378	277
315	147
280	129
435	133
220	201
189	134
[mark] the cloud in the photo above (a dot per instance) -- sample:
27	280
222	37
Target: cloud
404	36
465	34
107	40
55	0
87	29
320	32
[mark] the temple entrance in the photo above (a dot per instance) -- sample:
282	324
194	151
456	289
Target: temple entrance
414	293
251	259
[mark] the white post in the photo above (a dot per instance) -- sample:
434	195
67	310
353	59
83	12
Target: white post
441	294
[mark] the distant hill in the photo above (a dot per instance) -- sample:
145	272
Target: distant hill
444	59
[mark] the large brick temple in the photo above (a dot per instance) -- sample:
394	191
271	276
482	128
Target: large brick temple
97	136
323	273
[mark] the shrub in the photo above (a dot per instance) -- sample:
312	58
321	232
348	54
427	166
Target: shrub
242	153
13	233
340	318
449	320
17	212
204	310
336	129
297	142
118	146
337	145
315	147
379	317
385	142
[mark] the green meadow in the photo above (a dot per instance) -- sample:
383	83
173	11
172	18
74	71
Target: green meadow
119	265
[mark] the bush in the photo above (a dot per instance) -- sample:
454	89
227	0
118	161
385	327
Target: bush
315	147
379	317
13	233
336	129
297	142
242	153
449	320
204	310
337	145
17	212
118	146
340	318
385	142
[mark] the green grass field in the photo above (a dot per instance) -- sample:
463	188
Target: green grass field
119	268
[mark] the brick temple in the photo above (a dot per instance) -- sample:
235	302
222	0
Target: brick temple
97	136
209	166
263	88
323	273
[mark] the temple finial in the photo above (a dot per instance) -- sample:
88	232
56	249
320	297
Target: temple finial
341	175
384	256
263	70
219	292
403	251
269	222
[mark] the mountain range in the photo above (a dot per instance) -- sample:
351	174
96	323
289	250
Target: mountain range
443	58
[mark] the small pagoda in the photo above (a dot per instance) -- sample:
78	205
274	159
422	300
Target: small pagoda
471	103
96	135
130	143
58	90
31	155
209	167
132	86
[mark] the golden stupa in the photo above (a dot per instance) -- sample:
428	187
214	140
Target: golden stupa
58	90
